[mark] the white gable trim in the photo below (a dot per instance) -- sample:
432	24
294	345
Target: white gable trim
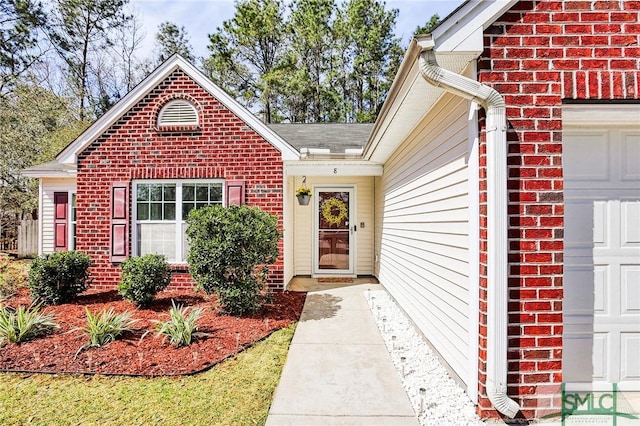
462	31
69	154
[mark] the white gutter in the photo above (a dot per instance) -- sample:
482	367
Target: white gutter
497	260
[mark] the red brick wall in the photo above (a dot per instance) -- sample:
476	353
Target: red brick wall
538	55
224	147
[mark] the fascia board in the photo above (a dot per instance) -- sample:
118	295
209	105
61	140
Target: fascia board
401	83
333	168
463	30
38	174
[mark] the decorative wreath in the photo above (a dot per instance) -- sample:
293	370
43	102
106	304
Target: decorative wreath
328	208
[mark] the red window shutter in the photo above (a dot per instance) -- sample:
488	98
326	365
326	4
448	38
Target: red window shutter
119	221
60	221
235	192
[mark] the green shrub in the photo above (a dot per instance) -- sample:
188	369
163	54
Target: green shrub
244	298
59	277
143	277
230	253
106	327
18	325
180	328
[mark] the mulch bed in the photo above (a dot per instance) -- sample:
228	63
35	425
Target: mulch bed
151	356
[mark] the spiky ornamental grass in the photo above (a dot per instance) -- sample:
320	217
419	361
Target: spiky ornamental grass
24	323
182	326
105	327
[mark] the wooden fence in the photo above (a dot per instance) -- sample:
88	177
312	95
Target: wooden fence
28	238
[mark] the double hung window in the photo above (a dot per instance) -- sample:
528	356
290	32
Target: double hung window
160	212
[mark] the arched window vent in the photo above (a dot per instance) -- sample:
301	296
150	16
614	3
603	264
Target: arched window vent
178	113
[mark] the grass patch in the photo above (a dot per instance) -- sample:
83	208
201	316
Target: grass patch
236	392
13	275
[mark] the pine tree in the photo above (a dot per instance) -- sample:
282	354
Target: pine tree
79	30
170	40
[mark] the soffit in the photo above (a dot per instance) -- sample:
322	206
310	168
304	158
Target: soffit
415	99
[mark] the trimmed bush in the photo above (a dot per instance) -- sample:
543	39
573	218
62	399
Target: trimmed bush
143	277
59	277
230	252
18	325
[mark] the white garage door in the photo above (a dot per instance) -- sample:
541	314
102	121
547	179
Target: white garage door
602	255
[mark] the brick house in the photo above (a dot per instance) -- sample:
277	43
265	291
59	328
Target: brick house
173	143
497	196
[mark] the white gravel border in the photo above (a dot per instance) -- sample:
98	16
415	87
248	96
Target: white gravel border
436	398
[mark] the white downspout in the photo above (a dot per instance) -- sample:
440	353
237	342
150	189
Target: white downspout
497	260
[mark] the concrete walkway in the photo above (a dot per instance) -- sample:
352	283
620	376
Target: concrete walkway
338	371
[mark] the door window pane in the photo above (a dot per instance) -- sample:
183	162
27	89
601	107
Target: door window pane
333	232
333	211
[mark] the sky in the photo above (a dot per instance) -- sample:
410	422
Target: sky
202	17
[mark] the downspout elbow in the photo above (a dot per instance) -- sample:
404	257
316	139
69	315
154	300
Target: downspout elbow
458	84
497	394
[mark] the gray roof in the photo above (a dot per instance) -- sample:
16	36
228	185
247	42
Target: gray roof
333	136
50	168
336	137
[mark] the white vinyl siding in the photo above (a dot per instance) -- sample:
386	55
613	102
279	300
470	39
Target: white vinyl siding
303	224
422	209
49	187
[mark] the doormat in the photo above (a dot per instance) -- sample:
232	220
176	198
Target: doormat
335	280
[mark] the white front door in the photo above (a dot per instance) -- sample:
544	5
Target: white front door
602	256
334	233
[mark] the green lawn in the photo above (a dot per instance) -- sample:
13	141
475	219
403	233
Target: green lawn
237	392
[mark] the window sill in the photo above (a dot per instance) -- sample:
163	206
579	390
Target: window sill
179	267
178	129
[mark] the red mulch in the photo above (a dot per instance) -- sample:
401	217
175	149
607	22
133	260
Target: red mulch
226	335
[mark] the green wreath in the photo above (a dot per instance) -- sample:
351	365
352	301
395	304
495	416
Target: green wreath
327	211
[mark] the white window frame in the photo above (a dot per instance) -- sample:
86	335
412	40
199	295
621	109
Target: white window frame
179	220
73	221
